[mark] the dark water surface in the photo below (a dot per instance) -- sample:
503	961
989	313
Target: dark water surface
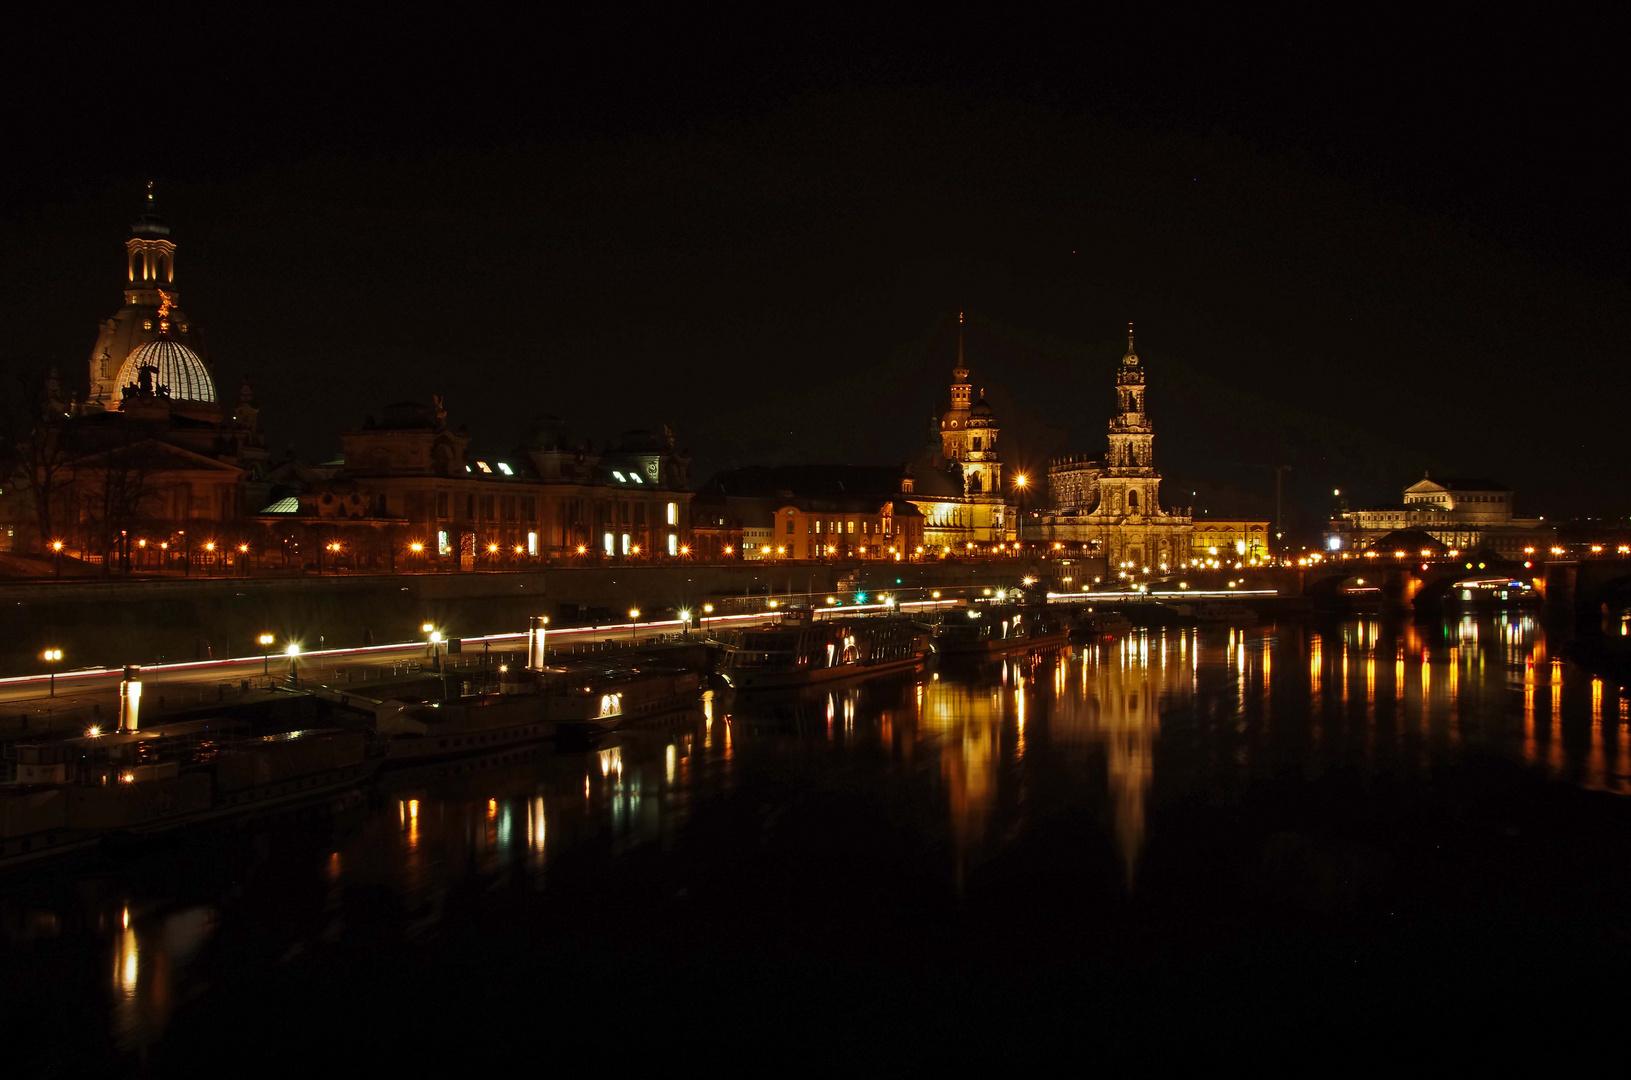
1175	840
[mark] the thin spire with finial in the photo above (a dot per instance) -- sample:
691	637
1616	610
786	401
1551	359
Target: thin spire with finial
960	372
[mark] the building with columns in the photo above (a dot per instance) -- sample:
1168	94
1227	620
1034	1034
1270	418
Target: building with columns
1462	513
957	481
1113	509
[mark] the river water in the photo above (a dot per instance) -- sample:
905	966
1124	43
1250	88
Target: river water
1305	821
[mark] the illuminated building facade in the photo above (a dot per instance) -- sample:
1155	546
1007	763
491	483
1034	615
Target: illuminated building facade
957	483
151	329
1241	540
414	480
1462	513
811	512
1114	509
149	447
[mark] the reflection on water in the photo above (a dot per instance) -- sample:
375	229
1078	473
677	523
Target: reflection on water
1104	733
146	952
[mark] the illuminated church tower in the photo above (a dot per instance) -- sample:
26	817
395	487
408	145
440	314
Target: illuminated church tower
1129	481
968	432
957	480
150	331
1115	509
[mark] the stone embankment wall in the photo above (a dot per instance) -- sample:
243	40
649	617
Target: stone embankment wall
147	622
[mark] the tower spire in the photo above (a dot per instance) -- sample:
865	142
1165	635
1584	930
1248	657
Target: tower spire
961	370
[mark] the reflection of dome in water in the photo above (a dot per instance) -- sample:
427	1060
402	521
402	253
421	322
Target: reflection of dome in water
179	368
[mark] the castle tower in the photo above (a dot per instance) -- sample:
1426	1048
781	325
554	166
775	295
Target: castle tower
151	313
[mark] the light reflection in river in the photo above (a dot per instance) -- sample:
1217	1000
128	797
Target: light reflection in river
1113	728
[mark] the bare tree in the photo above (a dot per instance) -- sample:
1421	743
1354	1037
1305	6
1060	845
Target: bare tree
117	494
39	458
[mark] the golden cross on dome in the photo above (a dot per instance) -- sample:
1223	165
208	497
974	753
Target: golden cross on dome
166	302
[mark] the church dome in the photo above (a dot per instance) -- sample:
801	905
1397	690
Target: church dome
979	408
179	368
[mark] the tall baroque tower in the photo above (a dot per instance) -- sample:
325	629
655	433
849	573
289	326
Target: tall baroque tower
1115	510
968	432
1130	482
152	313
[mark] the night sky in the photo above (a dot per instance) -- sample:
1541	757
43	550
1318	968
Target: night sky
1358	250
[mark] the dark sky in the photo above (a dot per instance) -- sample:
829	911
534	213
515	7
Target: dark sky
1361	250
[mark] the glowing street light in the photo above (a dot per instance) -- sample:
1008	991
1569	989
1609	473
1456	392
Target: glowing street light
293	653
634	621
266	655
707	610
52	656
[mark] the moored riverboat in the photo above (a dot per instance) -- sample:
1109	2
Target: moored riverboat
803	651
426	731
75	794
1094	625
997	630
587	702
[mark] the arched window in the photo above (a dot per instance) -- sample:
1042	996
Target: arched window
976	442
973	481
1132	500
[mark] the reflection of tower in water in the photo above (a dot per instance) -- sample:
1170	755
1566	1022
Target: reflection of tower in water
968	722
1122	689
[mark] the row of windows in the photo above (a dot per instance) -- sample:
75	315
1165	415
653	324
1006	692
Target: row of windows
814	527
623	544
1436	499
525	508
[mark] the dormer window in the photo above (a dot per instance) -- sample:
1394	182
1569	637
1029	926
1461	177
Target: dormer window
505	469
636	478
484	467
147	324
621	479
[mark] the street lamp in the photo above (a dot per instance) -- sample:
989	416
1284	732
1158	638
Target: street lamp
293	653
266	657
52	656
634	621
707	610
685	621
56	553
435	648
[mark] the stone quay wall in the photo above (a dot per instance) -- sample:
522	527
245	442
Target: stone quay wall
169	621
